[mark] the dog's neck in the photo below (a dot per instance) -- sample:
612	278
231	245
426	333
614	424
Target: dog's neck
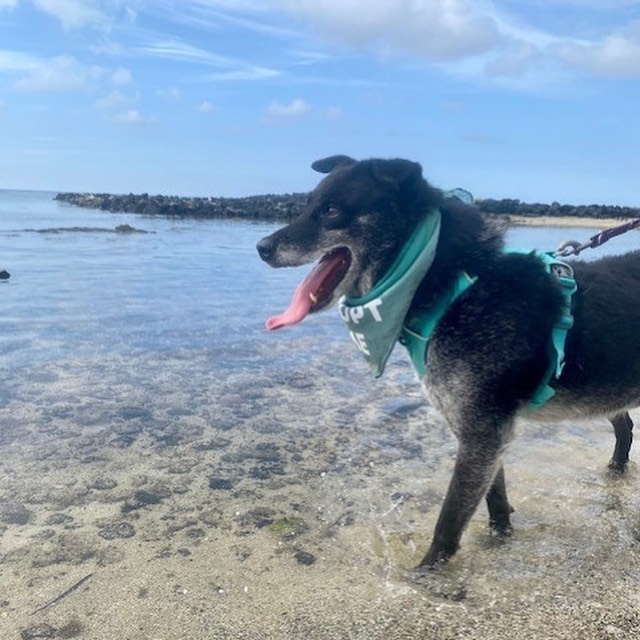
469	242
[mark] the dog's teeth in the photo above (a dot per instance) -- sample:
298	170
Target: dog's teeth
313	298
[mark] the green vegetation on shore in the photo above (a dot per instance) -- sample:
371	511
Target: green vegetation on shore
555	209
288	206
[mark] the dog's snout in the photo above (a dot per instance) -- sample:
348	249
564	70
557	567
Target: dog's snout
266	248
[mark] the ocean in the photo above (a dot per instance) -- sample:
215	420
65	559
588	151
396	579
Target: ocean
154	436
77	286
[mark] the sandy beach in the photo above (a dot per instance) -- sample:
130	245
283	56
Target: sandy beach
565	221
226	511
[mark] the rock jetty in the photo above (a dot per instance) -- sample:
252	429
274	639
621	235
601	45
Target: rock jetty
268	207
288	206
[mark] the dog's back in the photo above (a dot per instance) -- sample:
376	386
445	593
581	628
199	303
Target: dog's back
602	372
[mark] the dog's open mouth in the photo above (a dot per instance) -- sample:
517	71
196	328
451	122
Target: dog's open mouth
315	292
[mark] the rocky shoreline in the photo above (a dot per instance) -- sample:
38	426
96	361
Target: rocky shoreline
287	206
266	207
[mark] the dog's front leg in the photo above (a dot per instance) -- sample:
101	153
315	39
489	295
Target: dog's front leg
477	467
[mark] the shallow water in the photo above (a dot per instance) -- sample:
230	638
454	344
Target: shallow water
217	481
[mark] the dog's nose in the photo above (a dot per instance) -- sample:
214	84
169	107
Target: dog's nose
266	248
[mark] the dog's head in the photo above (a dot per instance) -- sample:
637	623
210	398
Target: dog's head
355	221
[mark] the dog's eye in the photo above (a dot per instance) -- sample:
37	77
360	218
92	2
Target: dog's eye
332	213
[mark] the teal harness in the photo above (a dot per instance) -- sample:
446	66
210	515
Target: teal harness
380	319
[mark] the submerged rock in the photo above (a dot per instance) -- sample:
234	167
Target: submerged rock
289	527
58	518
221	484
38	631
143	498
304	557
117	530
15	514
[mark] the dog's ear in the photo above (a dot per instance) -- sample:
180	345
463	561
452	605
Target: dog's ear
327	165
396	171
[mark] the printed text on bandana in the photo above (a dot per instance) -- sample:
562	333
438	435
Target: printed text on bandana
354	315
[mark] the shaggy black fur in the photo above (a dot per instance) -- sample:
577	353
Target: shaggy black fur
491	349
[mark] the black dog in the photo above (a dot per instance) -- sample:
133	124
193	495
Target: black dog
490	350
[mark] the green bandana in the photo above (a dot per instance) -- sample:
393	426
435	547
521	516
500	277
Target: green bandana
375	320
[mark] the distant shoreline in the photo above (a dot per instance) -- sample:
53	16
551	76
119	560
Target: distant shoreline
565	221
286	207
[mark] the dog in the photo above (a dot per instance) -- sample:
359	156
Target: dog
490	349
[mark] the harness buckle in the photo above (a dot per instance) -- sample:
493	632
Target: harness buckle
564	322
561	270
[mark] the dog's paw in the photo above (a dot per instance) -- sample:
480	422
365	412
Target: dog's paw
501	530
616	468
434	560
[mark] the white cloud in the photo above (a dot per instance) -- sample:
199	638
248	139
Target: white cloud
435	30
72	13
131	15
13	61
618	54
130	117
308	58
245	73
8	4
483	40
121	76
605	5
170	93
295	109
230	68
334	113
480	39
206	107
514	61
113	100
62	73
178	50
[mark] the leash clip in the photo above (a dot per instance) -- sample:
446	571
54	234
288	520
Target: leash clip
571	248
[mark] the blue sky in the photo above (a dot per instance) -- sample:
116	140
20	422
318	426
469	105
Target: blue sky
530	99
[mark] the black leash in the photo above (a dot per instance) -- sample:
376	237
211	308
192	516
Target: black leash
573	248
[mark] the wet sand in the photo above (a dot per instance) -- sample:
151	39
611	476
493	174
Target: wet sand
290	504
565	221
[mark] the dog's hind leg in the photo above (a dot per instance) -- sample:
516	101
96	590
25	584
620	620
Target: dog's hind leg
623	428
499	508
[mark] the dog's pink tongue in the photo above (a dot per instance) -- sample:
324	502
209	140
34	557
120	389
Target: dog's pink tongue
297	310
309	288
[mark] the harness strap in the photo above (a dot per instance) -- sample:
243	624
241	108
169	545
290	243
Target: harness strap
418	328
563	273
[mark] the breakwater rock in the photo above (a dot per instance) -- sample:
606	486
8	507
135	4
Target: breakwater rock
286	207
267	207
